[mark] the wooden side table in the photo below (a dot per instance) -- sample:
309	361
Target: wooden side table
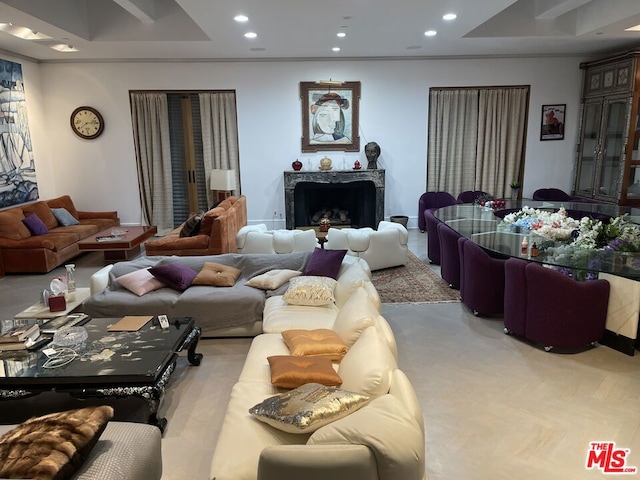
40	311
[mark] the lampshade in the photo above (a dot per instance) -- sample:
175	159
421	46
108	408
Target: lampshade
223	180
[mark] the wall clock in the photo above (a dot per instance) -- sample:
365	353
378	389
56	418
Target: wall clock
86	122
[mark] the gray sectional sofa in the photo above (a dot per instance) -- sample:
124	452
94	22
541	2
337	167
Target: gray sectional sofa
219	311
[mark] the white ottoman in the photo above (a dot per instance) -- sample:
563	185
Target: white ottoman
382	248
257	239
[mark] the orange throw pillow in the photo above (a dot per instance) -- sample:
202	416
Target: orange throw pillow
290	372
217	275
319	342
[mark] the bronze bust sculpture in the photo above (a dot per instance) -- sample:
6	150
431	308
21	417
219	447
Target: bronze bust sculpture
372	152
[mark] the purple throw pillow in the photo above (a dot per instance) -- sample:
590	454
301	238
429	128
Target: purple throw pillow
325	263
174	275
35	225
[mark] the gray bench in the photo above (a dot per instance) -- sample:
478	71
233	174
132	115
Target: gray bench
124	450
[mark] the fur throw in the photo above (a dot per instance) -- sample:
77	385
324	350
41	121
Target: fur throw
52	446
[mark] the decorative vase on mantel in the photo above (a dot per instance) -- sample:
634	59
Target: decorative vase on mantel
297	165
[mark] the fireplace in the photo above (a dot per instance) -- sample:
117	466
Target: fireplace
348	198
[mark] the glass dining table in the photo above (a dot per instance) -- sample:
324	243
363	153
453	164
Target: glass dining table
487	228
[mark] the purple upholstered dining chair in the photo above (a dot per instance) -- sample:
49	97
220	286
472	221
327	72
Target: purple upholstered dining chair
515	296
562	312
481	280
432	201
449	255
470	196
433	240
552	195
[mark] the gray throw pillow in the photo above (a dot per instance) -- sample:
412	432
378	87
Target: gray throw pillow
64	217
191	227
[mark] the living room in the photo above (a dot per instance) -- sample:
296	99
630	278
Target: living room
101	175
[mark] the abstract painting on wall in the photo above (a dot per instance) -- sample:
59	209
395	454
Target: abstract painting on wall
17	168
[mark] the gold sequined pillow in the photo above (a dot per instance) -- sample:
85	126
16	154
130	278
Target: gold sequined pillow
310	290
307	408
319	342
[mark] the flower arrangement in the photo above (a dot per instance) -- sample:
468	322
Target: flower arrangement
551	225
515	184
584	244
618	235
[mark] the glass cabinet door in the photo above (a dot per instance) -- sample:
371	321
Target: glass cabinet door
633	183
612	154
591	122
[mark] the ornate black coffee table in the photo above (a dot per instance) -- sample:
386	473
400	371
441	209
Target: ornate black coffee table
108	364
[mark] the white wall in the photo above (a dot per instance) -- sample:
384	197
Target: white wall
101	174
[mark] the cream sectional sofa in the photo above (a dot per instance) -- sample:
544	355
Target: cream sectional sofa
384	440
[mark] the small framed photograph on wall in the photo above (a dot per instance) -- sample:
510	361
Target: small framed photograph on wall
552	127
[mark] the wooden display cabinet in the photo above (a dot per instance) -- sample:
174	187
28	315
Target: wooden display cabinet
608	155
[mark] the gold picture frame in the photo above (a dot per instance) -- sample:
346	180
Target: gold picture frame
330	116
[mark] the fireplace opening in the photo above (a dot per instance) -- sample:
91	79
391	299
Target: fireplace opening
346	204
353	197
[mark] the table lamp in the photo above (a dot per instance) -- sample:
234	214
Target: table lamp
223	182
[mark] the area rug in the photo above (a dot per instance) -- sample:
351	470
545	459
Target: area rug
413	283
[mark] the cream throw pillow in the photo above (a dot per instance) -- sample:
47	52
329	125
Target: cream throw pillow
310	291
368	365
357	313
273	279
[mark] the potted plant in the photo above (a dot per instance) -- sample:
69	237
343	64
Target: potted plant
515	189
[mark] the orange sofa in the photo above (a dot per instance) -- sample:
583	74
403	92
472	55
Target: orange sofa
22	252
217	234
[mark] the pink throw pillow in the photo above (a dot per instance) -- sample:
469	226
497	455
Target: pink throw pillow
140	282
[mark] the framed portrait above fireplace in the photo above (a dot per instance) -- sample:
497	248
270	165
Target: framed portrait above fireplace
330	116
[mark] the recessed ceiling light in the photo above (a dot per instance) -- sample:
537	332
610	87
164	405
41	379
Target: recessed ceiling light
633	29
251	35
241	18
341	35
61	47
430	33
23	32
336	49
449	16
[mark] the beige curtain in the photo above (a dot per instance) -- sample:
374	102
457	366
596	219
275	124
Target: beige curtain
453	126
476	138
150	118
501	133
220	133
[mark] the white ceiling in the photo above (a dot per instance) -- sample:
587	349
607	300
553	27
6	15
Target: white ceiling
304	29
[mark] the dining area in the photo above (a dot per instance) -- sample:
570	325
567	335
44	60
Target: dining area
563	275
